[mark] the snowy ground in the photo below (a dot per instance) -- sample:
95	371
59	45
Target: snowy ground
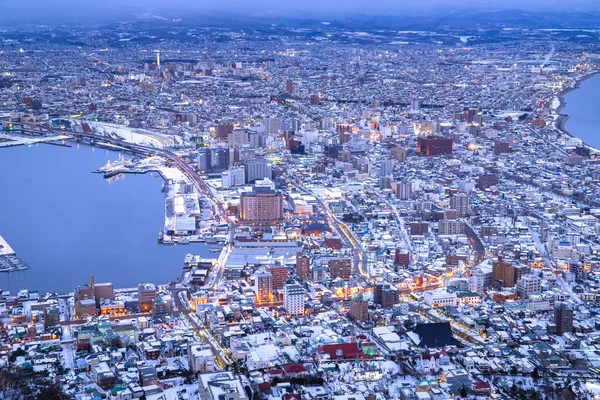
135	135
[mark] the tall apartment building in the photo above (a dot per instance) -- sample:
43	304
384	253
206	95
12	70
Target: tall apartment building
563	318
263	286
359	309
403	190
302	266
289	86
223	130
235	176
385	294
387	167
293	299
146	294
508	273
398	153
340	268
261	205
460	203
258	168
270	125
279	273
237	138
401	257
477	281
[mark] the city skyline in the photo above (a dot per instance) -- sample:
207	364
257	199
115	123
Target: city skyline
254	205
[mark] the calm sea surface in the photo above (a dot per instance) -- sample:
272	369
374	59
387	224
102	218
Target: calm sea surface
67	223
583	108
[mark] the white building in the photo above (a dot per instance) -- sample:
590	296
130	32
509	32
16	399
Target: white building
200	358
477	281
235	176
293	299
529	284
440	298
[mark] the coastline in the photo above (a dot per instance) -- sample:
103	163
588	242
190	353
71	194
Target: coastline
563	118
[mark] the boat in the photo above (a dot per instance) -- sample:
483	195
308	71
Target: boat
215	249
161	236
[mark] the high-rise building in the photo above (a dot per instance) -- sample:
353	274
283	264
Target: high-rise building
359	309
279	273
258	168
237	138
293	299
263	286
203	160
146	294
434	145
391	296
403	190
508	273
378	292
460	203
289	86
401	257
340	268
477	281
303	266
235	176
270	125
223	130
563	318
387	167
398	153
160	308
220	159
261	205
385	294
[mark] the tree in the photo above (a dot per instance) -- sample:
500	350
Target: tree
463	392
535	374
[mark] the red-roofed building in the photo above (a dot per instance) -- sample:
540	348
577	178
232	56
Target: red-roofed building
292	396
294	369
265	387
482	388
343	351
275	372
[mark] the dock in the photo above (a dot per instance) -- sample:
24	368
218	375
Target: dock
9	262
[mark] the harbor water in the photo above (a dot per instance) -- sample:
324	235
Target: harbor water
67	223
583	109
